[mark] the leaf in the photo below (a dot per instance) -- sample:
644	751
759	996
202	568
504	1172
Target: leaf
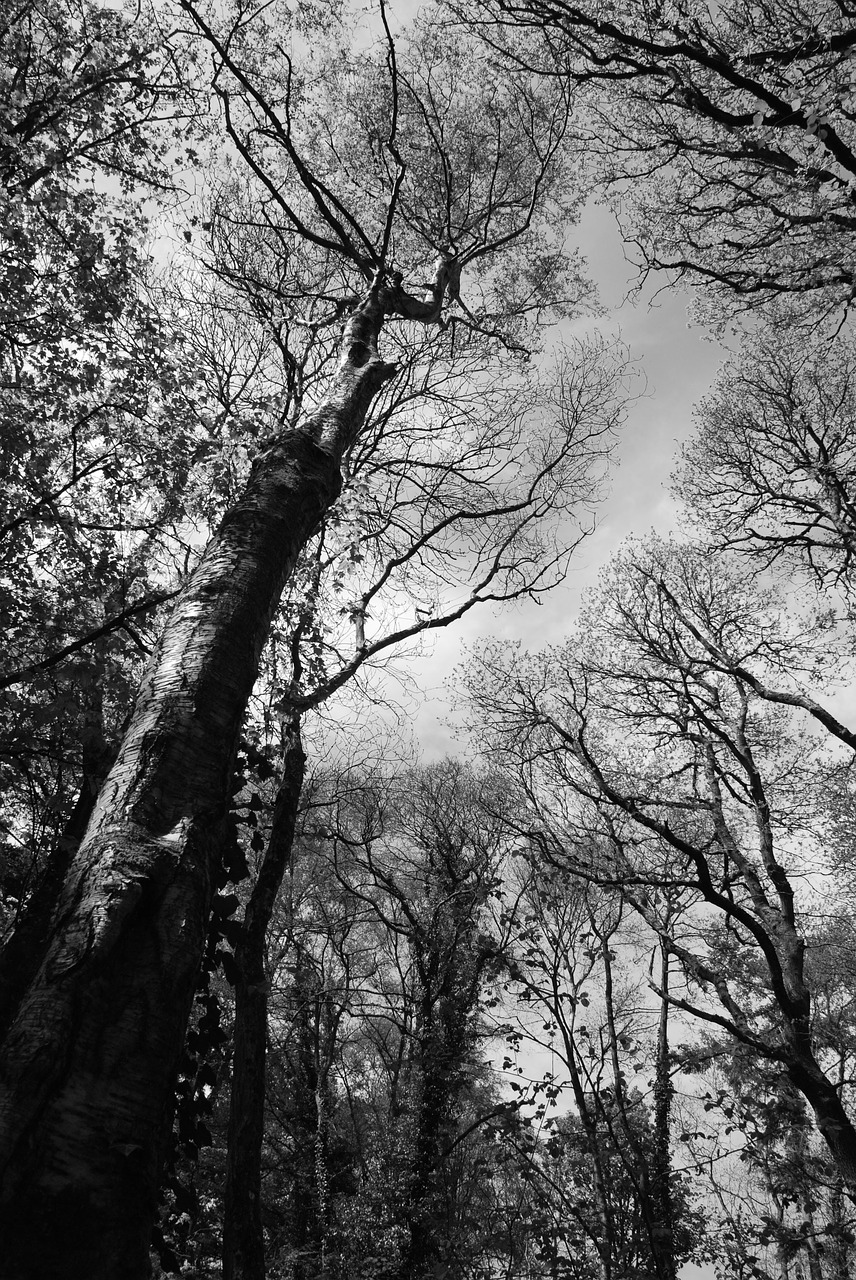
226	904
237	868
232	930
230	967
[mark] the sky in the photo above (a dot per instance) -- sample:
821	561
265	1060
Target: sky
679	361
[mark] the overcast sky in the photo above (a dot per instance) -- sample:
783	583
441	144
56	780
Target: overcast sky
679	362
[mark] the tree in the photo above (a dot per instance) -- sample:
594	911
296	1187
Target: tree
371	968
80	1158
243	1240
659	759
769	471
780	1211
86	370
725	137
425	854
616	1211
457	476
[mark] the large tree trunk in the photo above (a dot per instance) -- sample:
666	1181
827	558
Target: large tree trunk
243	1236
832	1119
87	1069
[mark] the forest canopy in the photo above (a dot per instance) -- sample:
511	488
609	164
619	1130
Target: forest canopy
302	364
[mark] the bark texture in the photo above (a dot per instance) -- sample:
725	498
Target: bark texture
243	1235
87	1069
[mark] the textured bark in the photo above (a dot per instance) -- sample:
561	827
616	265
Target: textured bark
243	1236
87	1069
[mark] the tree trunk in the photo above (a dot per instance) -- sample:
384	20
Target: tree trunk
87	1070
307	1229
421	1255
834	1123
839	1248
322	1178
243	1236
647	1170
781	1250
604	1237
441	1045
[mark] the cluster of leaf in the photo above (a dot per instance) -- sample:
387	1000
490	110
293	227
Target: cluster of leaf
87	373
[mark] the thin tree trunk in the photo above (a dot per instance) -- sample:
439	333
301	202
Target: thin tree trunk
839	1220
420	1254
87	1070
322	1179
243	1236
304	1233
781	1250
441	1037
649	1173
839	1248
603	1241
661	1164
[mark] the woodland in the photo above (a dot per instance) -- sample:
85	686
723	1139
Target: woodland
298	369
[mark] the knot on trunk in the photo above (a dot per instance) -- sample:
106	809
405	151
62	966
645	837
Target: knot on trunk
359	354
